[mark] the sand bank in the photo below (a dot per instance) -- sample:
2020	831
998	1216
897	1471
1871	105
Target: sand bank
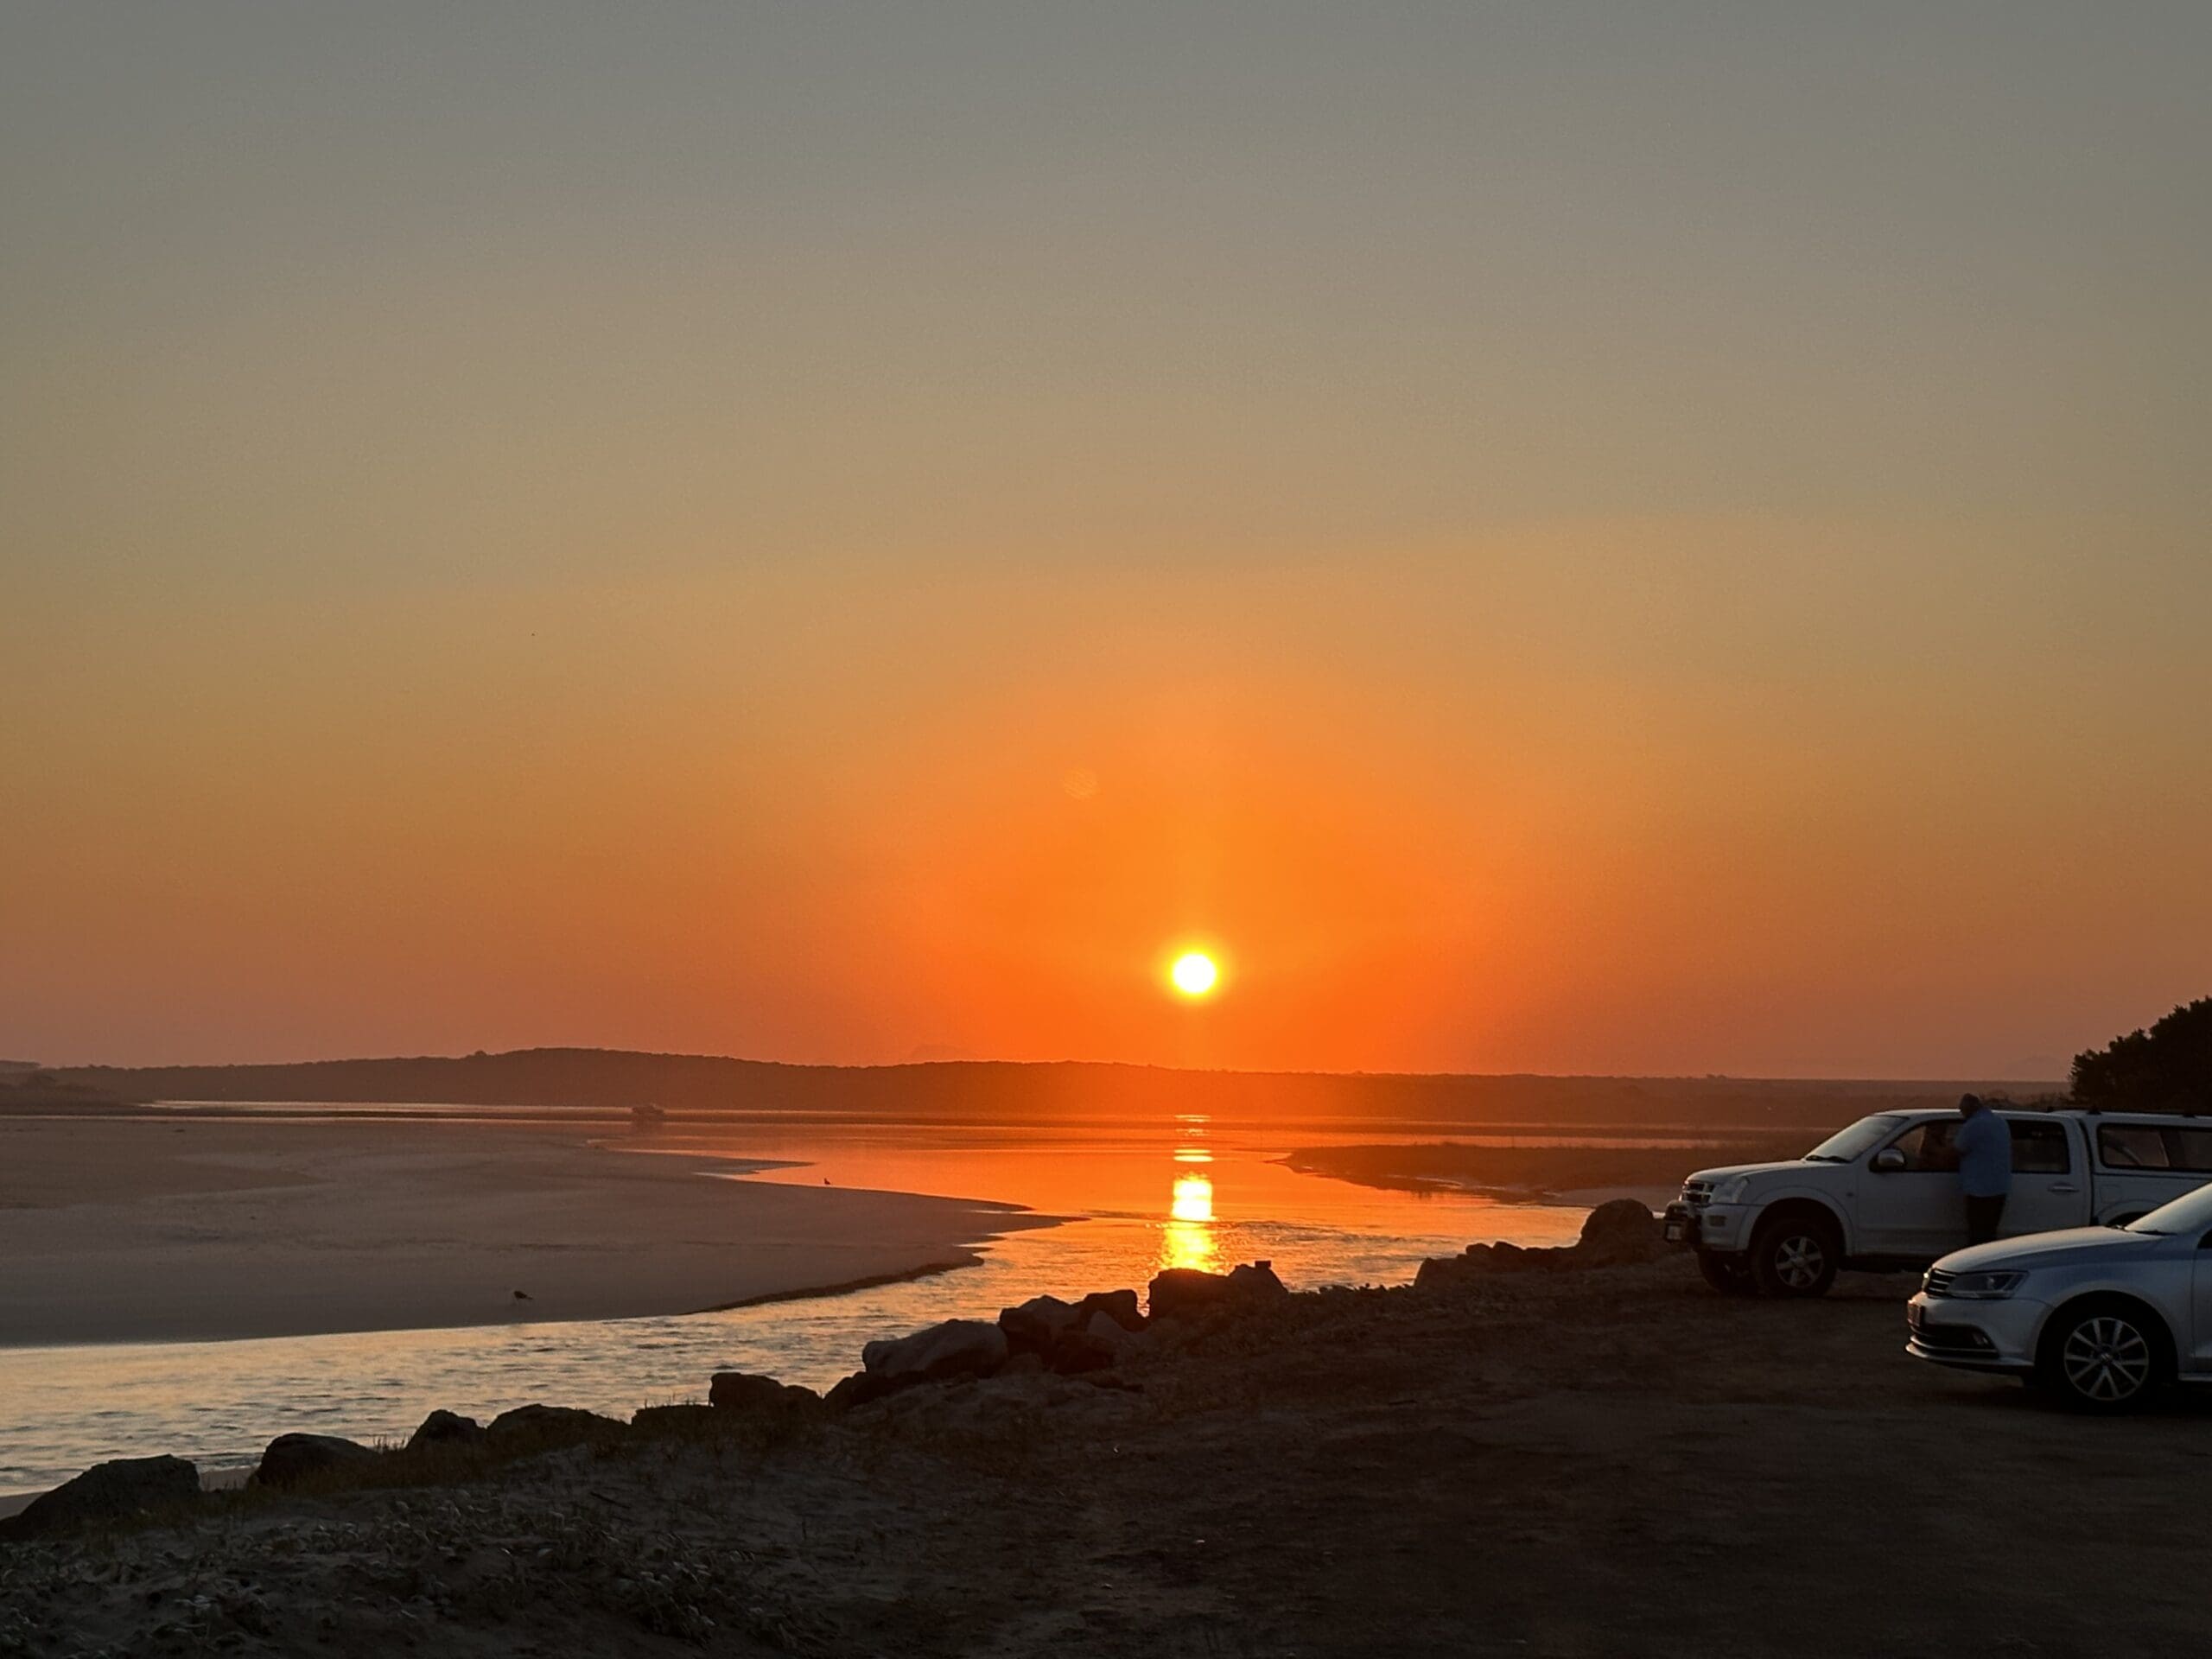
138	1231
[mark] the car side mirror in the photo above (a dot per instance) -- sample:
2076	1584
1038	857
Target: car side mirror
1887	1161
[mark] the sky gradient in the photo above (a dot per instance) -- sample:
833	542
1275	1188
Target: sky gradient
1651	538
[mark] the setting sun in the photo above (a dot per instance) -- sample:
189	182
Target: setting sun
1194	973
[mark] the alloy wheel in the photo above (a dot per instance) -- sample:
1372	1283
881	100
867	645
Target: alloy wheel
1798	1260
2106	1359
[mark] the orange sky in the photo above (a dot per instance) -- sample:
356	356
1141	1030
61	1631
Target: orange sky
1550	548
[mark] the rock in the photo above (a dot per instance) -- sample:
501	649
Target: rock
1121	1306
117	1490
291	1458
1033	1327
1255	1281
553	1425
955	1348
743	1391
1620	1231
858	1390
1481	1259
1186	1290
445	1429
665	1420
1028	1363
1103	1326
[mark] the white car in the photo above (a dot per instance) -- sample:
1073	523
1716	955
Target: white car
1884	1193
2103	1316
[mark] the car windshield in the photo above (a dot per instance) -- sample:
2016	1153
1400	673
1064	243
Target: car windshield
1847	1144
2189	1213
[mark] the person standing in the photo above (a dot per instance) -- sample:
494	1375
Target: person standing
1984	1144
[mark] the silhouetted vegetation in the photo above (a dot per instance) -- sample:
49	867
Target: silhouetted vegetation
2165	1069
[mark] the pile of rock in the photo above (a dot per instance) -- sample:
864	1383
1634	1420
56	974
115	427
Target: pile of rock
1618	1233
1048	1335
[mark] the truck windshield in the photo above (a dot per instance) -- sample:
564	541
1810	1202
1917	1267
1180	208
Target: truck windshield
1847	1144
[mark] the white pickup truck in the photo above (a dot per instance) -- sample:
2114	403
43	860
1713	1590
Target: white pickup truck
1884	1193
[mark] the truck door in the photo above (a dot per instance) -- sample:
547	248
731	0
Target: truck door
2050	1178
1915	1209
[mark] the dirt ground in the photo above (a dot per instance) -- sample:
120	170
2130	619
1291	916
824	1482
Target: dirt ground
1604	1463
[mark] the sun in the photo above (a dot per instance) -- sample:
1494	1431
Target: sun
1194	973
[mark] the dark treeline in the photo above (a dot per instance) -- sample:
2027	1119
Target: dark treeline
680	1083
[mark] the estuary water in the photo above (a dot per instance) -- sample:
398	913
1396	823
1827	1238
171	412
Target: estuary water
1137	1197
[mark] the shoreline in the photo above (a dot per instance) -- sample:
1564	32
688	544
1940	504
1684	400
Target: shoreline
198	1230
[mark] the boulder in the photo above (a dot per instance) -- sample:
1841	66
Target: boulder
1255	1281
1480	1260
743	1391
118	1491
1121	1306
1187	1290
955	1348
1034	1326
551	1425
858	1390
291	1458
1103	1326
1620	1231
445	1429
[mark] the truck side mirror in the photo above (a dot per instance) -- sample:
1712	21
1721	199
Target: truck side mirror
1887	1161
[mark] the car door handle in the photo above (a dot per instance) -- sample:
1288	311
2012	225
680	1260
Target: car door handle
2064	1186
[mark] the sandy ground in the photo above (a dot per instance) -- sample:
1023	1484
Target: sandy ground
149	1231
1601	1464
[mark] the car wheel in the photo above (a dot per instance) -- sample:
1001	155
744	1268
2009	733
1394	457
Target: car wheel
2107	1356
1795	1256
1726	1274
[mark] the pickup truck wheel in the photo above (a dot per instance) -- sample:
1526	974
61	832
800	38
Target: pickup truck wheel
1726	1274
1795	1256
2104	1357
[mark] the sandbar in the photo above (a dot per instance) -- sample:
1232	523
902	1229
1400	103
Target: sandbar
180	1230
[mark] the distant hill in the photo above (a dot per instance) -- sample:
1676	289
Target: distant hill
693	1084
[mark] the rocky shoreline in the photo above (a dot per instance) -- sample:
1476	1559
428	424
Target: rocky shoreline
455	1482
1044	1336
1558	1454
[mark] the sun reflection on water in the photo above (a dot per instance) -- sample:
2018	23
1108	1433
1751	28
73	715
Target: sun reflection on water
1187	1239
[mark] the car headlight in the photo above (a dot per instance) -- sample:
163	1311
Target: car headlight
1984	1287
1731	1191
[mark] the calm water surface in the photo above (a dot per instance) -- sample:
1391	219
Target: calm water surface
1179	1193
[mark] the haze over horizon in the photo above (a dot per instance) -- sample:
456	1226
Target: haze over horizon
1574	539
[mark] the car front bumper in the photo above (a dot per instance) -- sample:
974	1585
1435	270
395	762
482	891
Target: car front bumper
1974	1335
1718	1228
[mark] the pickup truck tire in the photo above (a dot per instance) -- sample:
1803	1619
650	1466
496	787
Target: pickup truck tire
1726	1274
1795	1253
2104	1355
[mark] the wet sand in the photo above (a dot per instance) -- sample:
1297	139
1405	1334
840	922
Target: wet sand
159	1230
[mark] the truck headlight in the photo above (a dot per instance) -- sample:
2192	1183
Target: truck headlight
1984	1287
1731	1191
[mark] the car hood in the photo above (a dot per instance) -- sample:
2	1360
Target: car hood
2052	1250
1729	1172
